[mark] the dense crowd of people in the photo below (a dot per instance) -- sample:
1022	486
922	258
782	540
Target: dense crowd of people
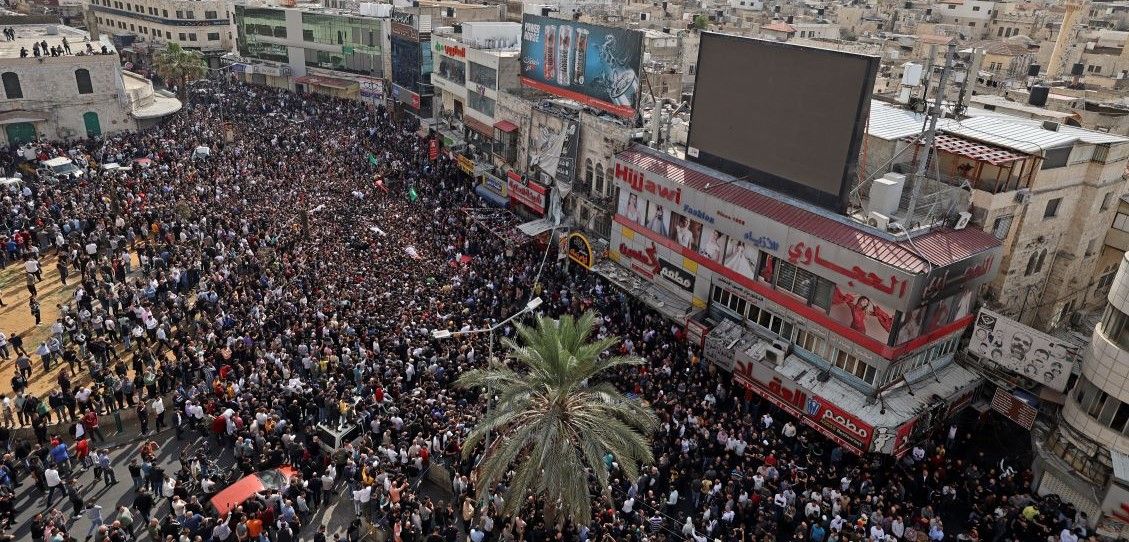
294	276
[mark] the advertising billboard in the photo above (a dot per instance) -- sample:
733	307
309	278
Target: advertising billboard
1045	359
784	116
553	142
595	65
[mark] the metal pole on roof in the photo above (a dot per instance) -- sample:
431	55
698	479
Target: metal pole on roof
930	135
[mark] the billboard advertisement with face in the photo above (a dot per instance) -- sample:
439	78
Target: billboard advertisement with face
594	65
1022	350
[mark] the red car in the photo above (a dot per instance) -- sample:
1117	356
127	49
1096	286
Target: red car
238	493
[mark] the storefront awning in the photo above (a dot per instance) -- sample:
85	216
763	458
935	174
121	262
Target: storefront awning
533	228
505	126
491	197
328	82
485	129
12	117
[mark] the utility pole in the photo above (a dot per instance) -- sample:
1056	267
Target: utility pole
930	134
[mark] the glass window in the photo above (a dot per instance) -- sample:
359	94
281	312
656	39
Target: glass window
82	79
483	75
213	36
480	103
588	171
12	88
211	15
191	36
452	70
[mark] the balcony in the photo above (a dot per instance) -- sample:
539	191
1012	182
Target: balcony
983	167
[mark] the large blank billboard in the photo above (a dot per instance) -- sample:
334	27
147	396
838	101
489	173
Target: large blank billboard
784	116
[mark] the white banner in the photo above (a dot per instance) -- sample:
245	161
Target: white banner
1022	350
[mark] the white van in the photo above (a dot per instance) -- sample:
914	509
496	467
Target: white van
59	168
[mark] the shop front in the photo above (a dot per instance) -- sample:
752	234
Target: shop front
526	196
493	189
845	327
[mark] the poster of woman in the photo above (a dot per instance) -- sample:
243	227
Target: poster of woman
861	314
658	219
737	260
713	244
686	232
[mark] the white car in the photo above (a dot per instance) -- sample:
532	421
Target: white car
59	168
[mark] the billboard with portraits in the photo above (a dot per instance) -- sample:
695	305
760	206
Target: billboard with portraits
1022	350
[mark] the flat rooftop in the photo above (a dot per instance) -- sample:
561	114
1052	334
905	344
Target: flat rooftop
29	34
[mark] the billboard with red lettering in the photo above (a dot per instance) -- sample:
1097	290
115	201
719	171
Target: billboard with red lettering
846	427
526	192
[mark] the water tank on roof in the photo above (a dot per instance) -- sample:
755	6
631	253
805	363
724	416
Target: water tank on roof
1038	96
911	74
886	193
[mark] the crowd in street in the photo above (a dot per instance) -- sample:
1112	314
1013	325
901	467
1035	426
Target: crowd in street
287	280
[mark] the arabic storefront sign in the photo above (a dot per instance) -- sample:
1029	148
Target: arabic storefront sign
465	164
845	425
580	250
645	261
784	394
433	149
1015	408
676	275
529	194
806	256
495	185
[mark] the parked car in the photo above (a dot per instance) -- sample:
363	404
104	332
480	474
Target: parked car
243	489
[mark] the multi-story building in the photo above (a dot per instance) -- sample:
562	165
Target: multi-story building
202	25
471	67
972	16
411	54
1085	458
1047	190
850	328
67	97
313	50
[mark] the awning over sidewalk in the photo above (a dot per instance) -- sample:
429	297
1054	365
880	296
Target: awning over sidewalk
534	228
658	298
328	82
505	126
491	197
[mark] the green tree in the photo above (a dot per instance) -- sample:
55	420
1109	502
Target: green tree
554	420
701	22
177	65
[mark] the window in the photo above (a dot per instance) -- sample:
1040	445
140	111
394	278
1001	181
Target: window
1107	200
952	6
793	279
12	89
1121	222
599	186
1031	262
131	29
588	175
1056	158
975	8
854	366
480	103
1115	327
1090	246
182	36
189	15
483	75
191	36
1001	227
213	36
211	15
165	13
1051	210
82	79
179	14
1042	258
811	342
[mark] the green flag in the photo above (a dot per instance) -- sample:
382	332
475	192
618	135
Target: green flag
371	159
412	195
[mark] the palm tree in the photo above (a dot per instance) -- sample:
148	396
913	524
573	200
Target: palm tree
178	65
554	421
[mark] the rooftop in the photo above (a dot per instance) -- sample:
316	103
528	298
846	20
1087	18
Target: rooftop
938	247
30	34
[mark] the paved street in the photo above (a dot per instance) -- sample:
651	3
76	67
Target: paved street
29	501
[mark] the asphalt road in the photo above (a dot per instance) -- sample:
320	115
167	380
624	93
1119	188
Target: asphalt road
29	500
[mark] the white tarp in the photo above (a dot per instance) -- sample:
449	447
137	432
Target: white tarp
535	227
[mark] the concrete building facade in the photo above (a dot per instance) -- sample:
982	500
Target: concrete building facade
1084	458
203	25
71	97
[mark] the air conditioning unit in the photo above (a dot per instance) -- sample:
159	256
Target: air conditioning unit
878	220
777	351
963	220
1023	195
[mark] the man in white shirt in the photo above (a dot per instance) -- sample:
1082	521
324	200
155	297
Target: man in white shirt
53	482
